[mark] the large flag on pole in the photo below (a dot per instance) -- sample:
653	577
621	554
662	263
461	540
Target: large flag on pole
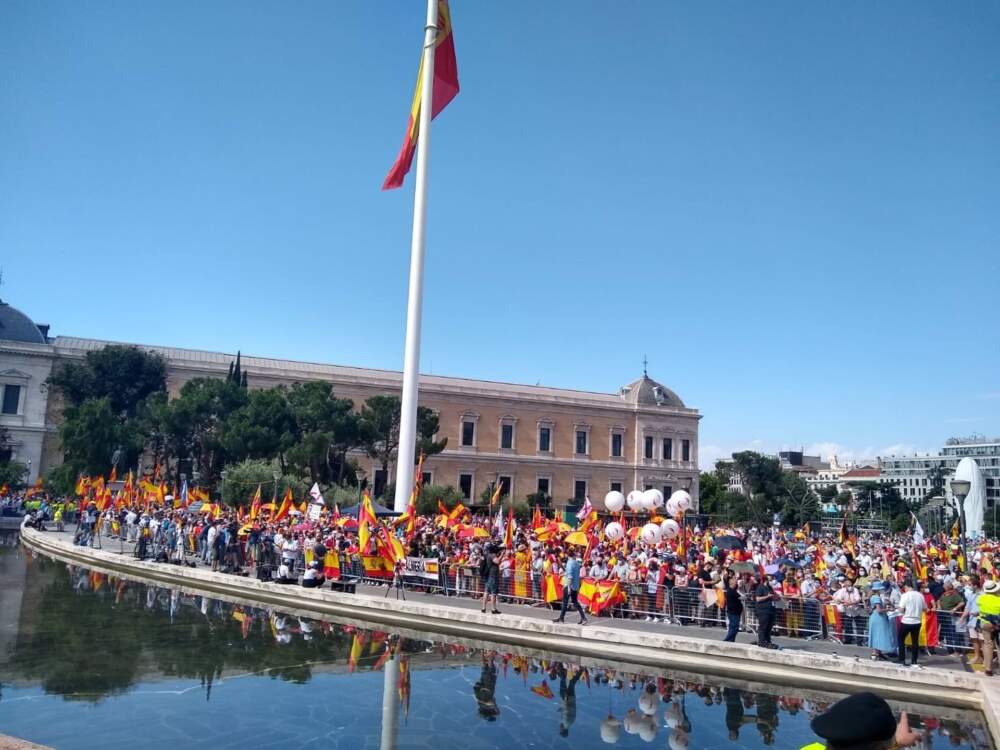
445	89
918	530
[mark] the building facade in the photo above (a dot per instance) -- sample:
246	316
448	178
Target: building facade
913	475
568	444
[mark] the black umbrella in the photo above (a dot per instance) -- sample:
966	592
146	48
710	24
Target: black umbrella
729	542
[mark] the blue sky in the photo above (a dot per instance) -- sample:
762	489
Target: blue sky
791	208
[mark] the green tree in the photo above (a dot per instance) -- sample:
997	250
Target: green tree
711	490
106	400
193	423
328	428
13	474
800	504
379	423
264	427
243	478
763	481
828	494
92	432
124	375
431	494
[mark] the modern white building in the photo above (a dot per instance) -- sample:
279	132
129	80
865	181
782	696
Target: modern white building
913	474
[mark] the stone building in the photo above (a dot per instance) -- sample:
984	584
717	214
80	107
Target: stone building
566	443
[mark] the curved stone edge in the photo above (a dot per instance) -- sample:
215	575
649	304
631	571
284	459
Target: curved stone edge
15	743
734	660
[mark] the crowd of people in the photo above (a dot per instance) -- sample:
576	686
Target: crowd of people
894	594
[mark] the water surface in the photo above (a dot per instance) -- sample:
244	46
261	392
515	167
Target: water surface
87	660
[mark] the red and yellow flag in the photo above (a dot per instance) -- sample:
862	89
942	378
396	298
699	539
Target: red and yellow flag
286	505
366	521
445	89
255	505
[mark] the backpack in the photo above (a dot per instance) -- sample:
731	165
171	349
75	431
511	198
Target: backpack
484	568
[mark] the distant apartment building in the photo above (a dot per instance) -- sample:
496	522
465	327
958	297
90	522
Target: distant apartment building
913	475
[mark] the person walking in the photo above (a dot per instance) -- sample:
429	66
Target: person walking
571	586
881	630
764	598
734	607
911	608
490	572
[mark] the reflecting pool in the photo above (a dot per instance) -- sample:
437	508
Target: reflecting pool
87	660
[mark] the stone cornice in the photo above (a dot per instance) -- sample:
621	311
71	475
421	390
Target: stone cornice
213	364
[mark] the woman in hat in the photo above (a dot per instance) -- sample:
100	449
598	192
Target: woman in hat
881	630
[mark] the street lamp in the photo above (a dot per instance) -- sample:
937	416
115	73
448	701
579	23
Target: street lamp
960	489
276	475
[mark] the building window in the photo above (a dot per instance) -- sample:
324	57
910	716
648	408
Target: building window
668	449
506	485
616	486
506	437
543	485
616	445
11	398
468	433
580	489
647	487
668	490
685	450
544	439
427	478
581	442
648	447
465	485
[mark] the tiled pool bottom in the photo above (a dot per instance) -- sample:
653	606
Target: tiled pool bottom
95	662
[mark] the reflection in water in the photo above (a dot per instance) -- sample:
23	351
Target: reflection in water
102	642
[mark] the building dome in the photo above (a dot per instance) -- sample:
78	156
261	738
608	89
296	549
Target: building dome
16	326
647	392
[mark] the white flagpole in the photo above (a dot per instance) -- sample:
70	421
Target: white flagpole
411	361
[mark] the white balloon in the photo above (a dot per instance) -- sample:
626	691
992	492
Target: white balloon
673	715
648	703
683	500
631	723
634	500
613	531
611	730
670	528
678	740
614	501
652	499
650	533
672	509
647	729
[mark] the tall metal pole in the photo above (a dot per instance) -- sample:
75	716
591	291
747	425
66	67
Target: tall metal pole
390	705
411	361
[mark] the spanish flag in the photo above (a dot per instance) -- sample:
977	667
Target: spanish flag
445	89
286	505
366	521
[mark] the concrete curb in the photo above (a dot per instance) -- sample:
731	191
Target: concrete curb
734	660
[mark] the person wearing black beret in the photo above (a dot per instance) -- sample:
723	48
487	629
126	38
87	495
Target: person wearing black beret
862	722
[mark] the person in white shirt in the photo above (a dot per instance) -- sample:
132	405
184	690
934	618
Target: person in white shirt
130	518
848	601
911	607
284	574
